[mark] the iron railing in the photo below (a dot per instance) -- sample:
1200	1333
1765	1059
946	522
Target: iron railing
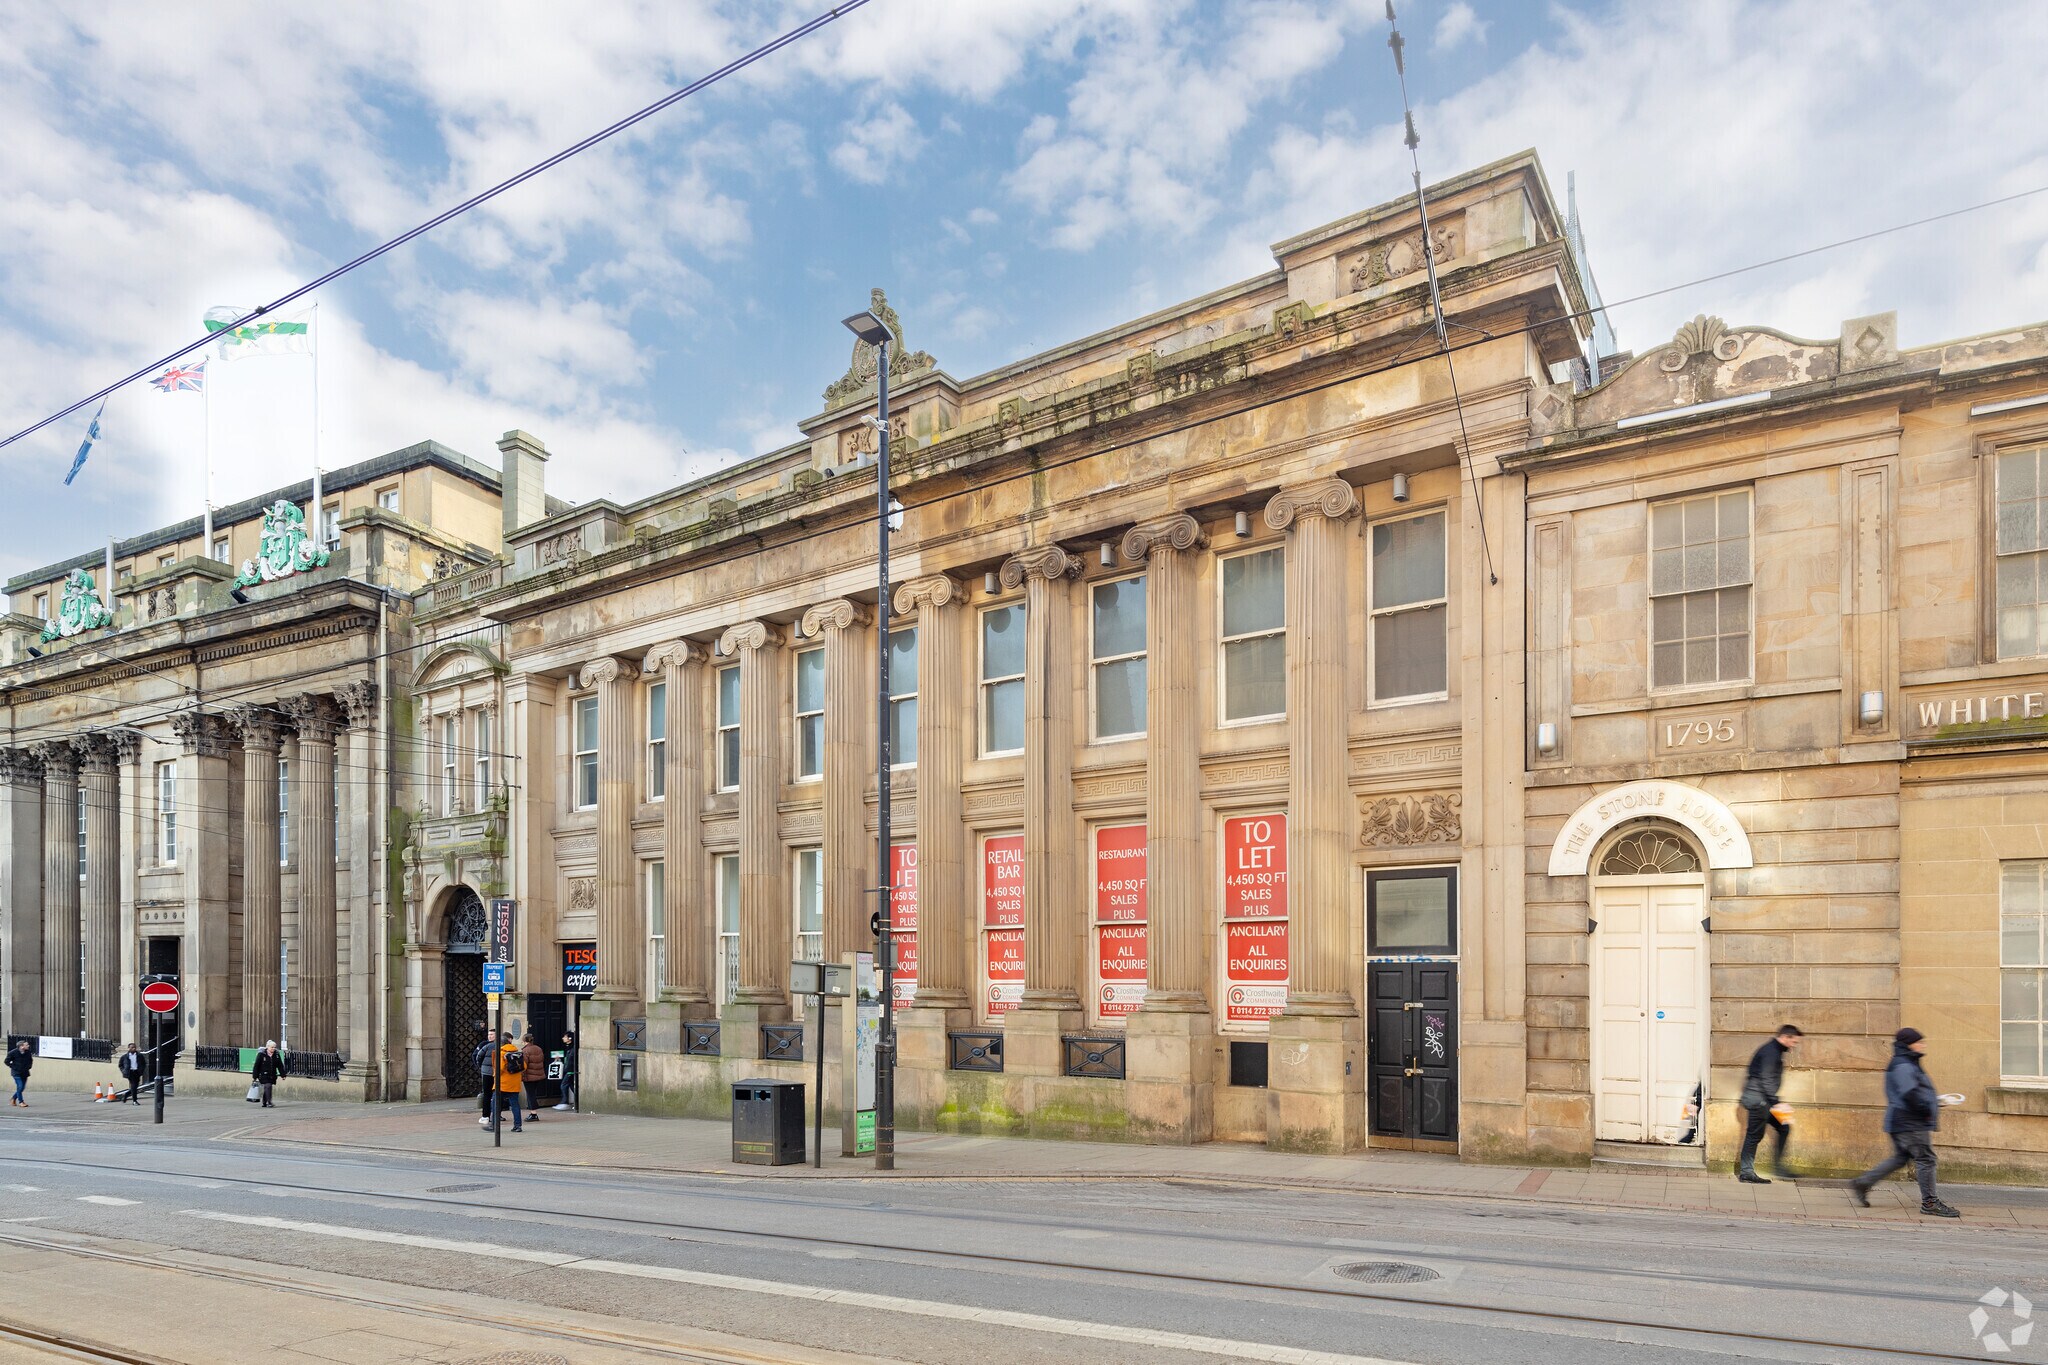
701	1040
82	1049
782	1042
1093	1055
974	1051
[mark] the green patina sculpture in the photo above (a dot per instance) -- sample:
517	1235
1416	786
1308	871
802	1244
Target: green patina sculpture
287	548
79	610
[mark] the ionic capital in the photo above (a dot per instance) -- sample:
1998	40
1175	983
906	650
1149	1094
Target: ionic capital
934	590
839	614
1041	561
674	654
748	636
600	671
1166	535
1332	498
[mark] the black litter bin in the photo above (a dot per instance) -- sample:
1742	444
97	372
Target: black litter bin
768	1123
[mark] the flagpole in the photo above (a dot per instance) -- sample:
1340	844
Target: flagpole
317	517
206	396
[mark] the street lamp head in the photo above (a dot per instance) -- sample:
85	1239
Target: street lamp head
868	328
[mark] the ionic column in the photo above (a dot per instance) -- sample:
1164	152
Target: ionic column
21	888
945	886
849	713
689	909
1177	935
262	731
621	927
101	918
1054	939
358	703
1319	814
61	1012
317	719
765	913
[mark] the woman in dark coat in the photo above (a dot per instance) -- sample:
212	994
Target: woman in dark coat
268	1070
21	1061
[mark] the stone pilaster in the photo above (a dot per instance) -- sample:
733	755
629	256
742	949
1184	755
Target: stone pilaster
62	1013
1169	1040
359	746
689	905
262	732
1316	1099
134	821
21	888
945	725
1054	928
621	924
765	914
100	919
203	852
317	719
849	716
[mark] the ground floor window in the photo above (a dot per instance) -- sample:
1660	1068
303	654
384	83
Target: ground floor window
1002	924
728	873
903	918
1120	918
1254	949
2023	971
1412	912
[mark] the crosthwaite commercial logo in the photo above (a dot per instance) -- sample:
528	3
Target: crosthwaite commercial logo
2014	1326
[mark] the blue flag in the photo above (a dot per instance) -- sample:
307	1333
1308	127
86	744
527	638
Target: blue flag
92	433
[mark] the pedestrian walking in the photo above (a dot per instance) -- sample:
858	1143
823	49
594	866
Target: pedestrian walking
131	1072
1912	1113
268	1070
536	1074
568	1072
483	1064
511	1082
21	1061
1760	1100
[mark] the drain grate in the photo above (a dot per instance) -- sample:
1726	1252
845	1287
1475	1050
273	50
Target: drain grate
1386	1272
457	1189
516	1358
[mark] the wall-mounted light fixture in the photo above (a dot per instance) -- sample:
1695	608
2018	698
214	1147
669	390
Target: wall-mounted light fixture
1243	525
1400	488
988	583
1546	739
1870	708
1108	555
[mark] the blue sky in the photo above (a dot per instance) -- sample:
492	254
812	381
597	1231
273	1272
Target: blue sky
1016	173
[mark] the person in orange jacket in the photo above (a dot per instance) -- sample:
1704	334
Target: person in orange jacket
511	1082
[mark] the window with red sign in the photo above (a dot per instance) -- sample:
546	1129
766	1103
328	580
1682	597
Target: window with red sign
1002	924
1254	956
1120	914
903	919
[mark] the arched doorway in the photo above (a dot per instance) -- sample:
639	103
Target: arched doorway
1647	983
462	986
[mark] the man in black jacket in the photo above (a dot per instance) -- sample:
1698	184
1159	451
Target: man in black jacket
1912	1113
131	1071
1759	1097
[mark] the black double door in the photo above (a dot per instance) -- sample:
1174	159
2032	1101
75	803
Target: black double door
463	1022
548	1017
1413	1046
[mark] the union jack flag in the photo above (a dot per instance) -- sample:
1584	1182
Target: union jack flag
182	377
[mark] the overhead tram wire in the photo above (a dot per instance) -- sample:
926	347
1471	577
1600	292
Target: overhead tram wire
1093	451
775	45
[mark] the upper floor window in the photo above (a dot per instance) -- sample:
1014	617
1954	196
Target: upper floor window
1409	639
903	698
480	761
167	812
1699	590
42	606
2022	478
451	749
586	753
284	811
387	498
657	741
729	729
220	548
1116	645
810	904
330	525
1002	679
2023	971
165	561
1254	590
810	713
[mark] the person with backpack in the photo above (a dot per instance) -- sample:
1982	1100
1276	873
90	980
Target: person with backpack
511	1082
21	1061
1912	1113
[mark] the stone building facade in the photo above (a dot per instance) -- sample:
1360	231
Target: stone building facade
199	767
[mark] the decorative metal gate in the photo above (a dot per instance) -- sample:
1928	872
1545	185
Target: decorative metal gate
462	994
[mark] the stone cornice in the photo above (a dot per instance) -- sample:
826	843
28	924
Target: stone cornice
839	614
674	654
1164	535
1041	561
749	636
933	590
1332	498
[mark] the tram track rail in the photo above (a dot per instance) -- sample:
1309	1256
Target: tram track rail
1358	1294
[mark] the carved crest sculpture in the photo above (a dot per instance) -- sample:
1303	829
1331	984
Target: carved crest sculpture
287	548
79	609
860	375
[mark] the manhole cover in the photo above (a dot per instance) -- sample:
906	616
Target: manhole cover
1386	1272
455	1189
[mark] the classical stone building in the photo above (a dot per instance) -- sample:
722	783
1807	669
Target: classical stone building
197	772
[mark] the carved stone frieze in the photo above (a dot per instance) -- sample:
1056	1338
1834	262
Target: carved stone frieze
561	548
1405	821
582	897
1446	755
1331	498
1401	256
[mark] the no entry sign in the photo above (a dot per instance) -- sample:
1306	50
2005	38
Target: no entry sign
160	997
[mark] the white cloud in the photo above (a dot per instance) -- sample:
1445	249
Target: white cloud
1459	25
877	141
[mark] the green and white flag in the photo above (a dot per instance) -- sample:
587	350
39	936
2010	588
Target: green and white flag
270	336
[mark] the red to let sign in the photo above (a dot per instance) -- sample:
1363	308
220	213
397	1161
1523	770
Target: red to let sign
903	919
1005	951
1254	970
1119	969
160	997
1120	874
906	969
1255	867
1002	881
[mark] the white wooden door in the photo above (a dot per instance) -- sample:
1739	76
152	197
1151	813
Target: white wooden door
1649	992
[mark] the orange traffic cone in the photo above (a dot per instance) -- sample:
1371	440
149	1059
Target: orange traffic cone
99	1094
